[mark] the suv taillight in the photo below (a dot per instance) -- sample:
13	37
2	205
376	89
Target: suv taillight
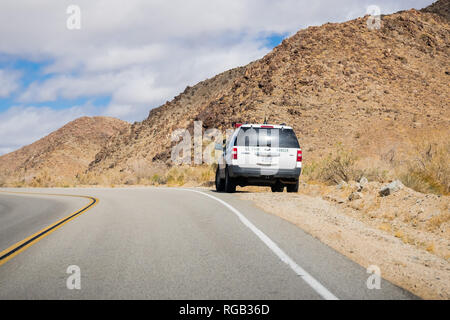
234	154
299	156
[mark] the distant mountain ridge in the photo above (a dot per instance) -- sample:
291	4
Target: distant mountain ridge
62	154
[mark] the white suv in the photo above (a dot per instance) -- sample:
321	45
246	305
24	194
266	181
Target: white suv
260	155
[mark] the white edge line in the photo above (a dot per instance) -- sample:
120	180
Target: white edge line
310	280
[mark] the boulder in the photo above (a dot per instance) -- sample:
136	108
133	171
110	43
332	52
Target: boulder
391	188
363	182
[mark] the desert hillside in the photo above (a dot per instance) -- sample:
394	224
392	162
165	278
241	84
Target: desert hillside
375	92
62	154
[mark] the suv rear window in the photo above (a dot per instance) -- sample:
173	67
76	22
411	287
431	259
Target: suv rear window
262	137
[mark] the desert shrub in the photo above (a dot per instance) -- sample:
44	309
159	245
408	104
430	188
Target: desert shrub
340	165
141	170
88	178
208	174
429	170
158	179
436	221
42	180
176	177
376	174
131	181
18	184
310	170
203	175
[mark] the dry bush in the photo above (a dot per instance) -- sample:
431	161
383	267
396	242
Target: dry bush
176	176
376	174
198	176
108	178
340	165
142	171
41	180
158	179
436	221
429	170
310	170
143	174
376	168
114	178
88	178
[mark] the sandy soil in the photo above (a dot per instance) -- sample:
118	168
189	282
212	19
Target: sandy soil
406	234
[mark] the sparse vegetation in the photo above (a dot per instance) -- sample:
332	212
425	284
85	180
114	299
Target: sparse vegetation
158	179
429	170
340	165
200	175
438	220
376	174
142	170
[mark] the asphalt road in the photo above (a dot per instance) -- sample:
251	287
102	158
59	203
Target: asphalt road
157	243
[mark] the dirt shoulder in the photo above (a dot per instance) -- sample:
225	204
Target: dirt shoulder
406	233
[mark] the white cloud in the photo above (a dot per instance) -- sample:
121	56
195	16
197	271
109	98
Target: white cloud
9	82
70	87
143	86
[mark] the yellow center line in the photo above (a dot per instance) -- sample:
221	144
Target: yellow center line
22	245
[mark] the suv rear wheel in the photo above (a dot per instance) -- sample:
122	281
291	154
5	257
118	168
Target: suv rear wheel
277	187
291	188
220	183
230	186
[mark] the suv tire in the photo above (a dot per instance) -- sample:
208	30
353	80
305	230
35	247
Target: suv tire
230	186
277	187
292	188
220	183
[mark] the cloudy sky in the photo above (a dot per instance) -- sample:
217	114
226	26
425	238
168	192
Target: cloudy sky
130	56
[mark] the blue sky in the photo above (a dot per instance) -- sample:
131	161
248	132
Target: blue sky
131	56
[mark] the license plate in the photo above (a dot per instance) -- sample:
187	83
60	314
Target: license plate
265	160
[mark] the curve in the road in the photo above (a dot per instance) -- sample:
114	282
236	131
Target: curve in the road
22	245
310	280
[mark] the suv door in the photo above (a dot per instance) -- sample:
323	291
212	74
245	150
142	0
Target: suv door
268	149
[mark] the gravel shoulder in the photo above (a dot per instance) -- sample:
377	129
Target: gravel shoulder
406	234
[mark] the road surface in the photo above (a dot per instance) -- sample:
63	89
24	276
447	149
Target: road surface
168	243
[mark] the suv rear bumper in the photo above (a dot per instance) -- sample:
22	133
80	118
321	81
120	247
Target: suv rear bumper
265	174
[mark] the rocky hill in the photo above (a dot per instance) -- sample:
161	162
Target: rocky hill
374	91
61	155
441	8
